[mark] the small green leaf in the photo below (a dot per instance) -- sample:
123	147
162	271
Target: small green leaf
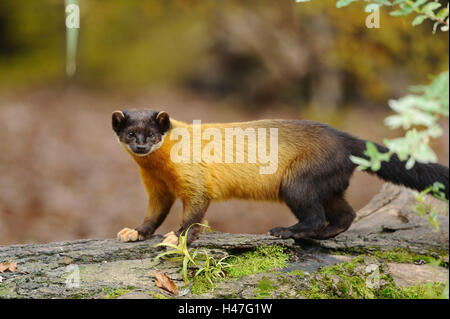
430	7
419	19
361	162
343	3
376	165
443	13
371	149
418	3
404	10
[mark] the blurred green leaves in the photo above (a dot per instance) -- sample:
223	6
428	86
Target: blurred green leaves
343	3
414	111
424	209
424	8
129	44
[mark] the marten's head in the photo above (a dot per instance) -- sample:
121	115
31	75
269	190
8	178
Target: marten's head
141	131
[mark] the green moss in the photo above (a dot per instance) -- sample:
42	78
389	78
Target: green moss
201	285
348	281
400	255
297	272
264	258
264	288
114	293
422	291
8	291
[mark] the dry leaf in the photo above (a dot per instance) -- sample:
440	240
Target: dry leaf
8	266
163	281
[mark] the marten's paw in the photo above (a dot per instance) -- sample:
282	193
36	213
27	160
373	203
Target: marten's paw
282	232
170	238
128	234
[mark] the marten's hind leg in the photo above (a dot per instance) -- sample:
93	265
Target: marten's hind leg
340	216
311	196
312	221
307	208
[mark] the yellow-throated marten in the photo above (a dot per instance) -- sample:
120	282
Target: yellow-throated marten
311	174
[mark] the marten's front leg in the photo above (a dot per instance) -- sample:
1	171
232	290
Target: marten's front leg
159	205
193	212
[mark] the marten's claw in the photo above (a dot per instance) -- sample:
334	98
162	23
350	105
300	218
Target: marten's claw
170	238
128	234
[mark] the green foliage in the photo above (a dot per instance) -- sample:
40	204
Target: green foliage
343	3
413	111
425	210
423	8
208	269
264	258
401	255
297	272
209	273
123	43
421	291
132	44
348	280
375	158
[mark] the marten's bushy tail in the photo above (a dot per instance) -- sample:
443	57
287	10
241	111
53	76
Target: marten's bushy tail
419	177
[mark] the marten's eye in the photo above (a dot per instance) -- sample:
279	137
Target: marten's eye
151	134
131	134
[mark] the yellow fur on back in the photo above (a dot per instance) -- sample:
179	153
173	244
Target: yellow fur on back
299	146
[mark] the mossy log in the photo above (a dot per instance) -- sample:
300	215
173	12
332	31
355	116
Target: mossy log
45	270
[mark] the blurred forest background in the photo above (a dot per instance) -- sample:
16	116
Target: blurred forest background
64	176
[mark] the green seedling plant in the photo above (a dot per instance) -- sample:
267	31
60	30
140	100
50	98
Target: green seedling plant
425	210
213	269
207	266
182	252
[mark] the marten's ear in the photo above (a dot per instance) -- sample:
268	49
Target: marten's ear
163	121
118	119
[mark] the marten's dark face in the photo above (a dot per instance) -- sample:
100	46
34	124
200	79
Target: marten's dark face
141	131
